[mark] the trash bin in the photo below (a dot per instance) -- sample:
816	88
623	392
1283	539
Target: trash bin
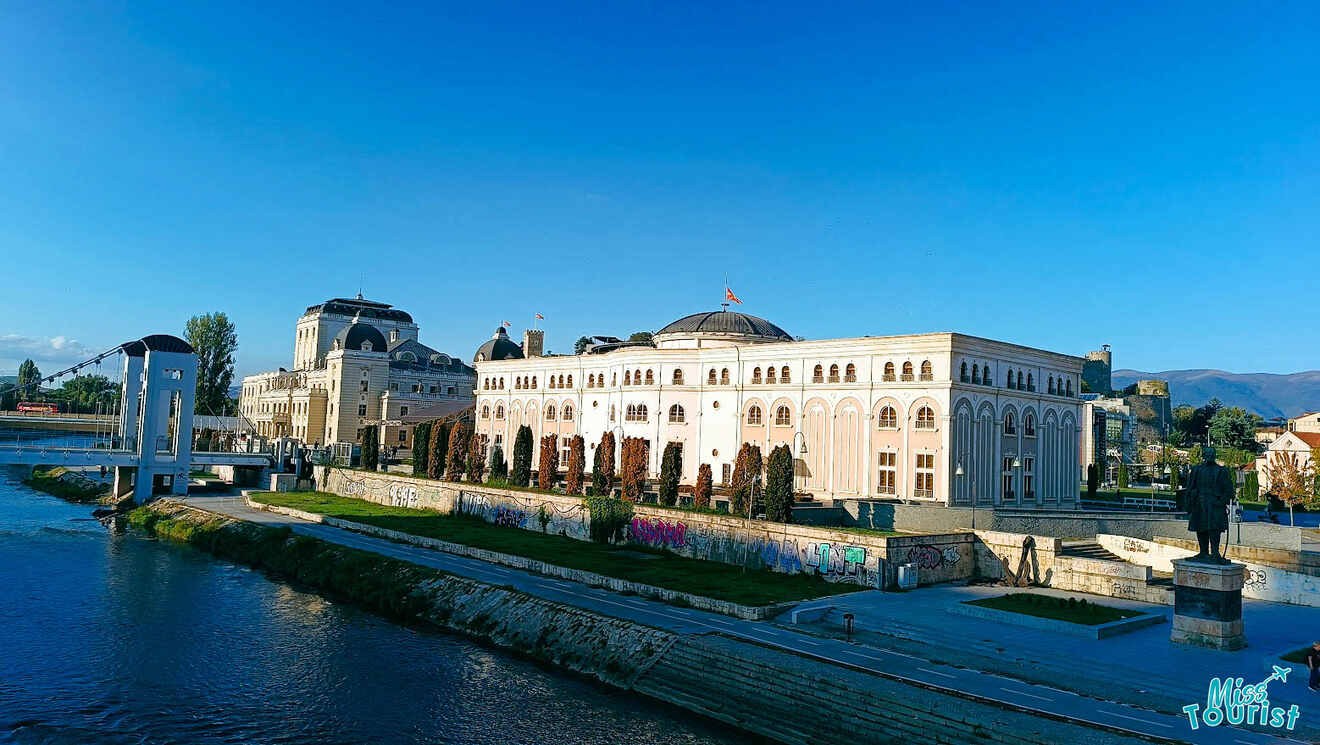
907	576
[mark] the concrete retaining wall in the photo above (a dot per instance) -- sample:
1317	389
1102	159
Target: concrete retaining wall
1263	582
996	551
836	554
1116	579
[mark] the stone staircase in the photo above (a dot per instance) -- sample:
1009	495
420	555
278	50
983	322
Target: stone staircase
1086	566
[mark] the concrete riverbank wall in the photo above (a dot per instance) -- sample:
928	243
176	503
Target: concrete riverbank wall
838	555
789	698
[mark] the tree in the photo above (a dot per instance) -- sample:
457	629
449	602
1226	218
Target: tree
370	448
476	459
671	471
29	379
641	336
456	464
1250	487
439	449
1092	481
1195	454
214	340
547	467
1175	476
632	470
581	345
1292	480
602	466
82	394
1235	457
421	447
1122	475
701	494
499	469
779	485
577	463
746	471
521	475
1233	427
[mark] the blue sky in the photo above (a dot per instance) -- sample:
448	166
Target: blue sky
1041	173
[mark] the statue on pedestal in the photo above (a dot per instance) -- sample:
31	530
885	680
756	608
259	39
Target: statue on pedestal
1209	491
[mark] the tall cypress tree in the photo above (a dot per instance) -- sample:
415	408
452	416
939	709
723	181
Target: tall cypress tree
779	485
421	447
547	471
521	475
602	466
577	458
439	450
370	449
671	470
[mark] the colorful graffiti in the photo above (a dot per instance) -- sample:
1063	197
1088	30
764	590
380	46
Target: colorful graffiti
657	532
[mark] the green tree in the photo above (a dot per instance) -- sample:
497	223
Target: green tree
421	447
602	466
1122	475
521	474
370	448
1195	455
82	393
581	345
1233	427
701	493
632	468
746	472
499	468
29	379
476	459
547	466
438	452
1251	487
1092	481
456	463
1293	480
214	339
577	463
779	485
641	336
671	470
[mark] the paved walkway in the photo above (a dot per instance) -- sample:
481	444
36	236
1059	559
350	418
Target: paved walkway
1002	689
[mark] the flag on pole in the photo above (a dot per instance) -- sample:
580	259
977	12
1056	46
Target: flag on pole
508	325
728	295
540	317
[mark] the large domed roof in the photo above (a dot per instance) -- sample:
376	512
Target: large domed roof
724	323
498	347
355	335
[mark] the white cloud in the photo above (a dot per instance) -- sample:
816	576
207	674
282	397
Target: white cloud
59	351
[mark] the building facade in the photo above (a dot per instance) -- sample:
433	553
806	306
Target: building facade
944	418
1300	445
356	363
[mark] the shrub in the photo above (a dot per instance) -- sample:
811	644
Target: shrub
499	469
671	470
439	450
458	450
577	458
521	474
370	448
779	485
602	467
547	467
421	448
609	518
701	494
476	459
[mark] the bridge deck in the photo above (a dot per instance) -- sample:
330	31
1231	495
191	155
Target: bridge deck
37	455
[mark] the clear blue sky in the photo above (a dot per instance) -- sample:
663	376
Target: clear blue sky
1044	174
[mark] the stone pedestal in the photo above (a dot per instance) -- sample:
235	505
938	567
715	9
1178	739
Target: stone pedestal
1207	604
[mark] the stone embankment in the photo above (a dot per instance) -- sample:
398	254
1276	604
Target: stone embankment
785	697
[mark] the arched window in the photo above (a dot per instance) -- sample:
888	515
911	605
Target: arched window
784	377
888	418
627	377
567	413
533	382
501	382
1031	382
756	375
889	372
963	374
499	412
678	376
710	377
818	374
485	384
783	418
907	371
834	373
517	384
925	418
1010	424
1009	382
1029	425
591	381
641	412
770	375
614	378
570	381
676	414
724	376
1019	380
650	378
1051	388
976	374
612	412
850	373
549	412
754	414
637	377
550	382
485	412
927	372
1069	393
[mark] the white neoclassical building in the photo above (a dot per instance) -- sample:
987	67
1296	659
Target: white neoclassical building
356	363
943	417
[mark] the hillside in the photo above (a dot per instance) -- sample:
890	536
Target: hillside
1266	394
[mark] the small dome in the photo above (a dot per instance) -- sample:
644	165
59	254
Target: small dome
498	347
361	337
723	323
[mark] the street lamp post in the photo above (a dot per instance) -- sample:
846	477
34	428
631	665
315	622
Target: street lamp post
959	472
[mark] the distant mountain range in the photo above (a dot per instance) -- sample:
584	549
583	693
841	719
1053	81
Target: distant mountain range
1263	393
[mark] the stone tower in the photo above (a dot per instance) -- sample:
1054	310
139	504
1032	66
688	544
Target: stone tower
1098	369
533	343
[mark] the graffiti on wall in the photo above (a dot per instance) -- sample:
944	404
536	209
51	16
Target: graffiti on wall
1256	578
656	532
529	514
402	495
927	556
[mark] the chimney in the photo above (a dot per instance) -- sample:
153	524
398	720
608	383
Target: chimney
533	343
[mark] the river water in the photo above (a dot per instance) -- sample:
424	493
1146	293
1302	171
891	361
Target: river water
121	639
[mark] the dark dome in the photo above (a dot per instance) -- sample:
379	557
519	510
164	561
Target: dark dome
353	335
166	343
725	322
498	347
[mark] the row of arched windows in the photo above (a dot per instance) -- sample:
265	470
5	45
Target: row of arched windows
979	375
769	375
492	384
1059	389
770	379
1028	424
565	414
635	413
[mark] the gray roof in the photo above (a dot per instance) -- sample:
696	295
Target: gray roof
166	343
498	347
725	322
353	335
358	306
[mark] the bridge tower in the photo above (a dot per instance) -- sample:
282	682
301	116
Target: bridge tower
158	394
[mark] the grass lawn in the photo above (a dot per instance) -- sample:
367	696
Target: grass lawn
635	563
873	531
1060	609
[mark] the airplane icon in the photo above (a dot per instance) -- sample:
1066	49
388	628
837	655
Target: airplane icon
1280	674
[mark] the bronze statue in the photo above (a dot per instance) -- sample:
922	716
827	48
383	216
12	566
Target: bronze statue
1209	491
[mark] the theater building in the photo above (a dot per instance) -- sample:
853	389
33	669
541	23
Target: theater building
943	418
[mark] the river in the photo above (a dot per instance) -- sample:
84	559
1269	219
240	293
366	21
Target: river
121	639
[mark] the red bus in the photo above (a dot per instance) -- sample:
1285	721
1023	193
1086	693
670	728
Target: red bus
38	407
